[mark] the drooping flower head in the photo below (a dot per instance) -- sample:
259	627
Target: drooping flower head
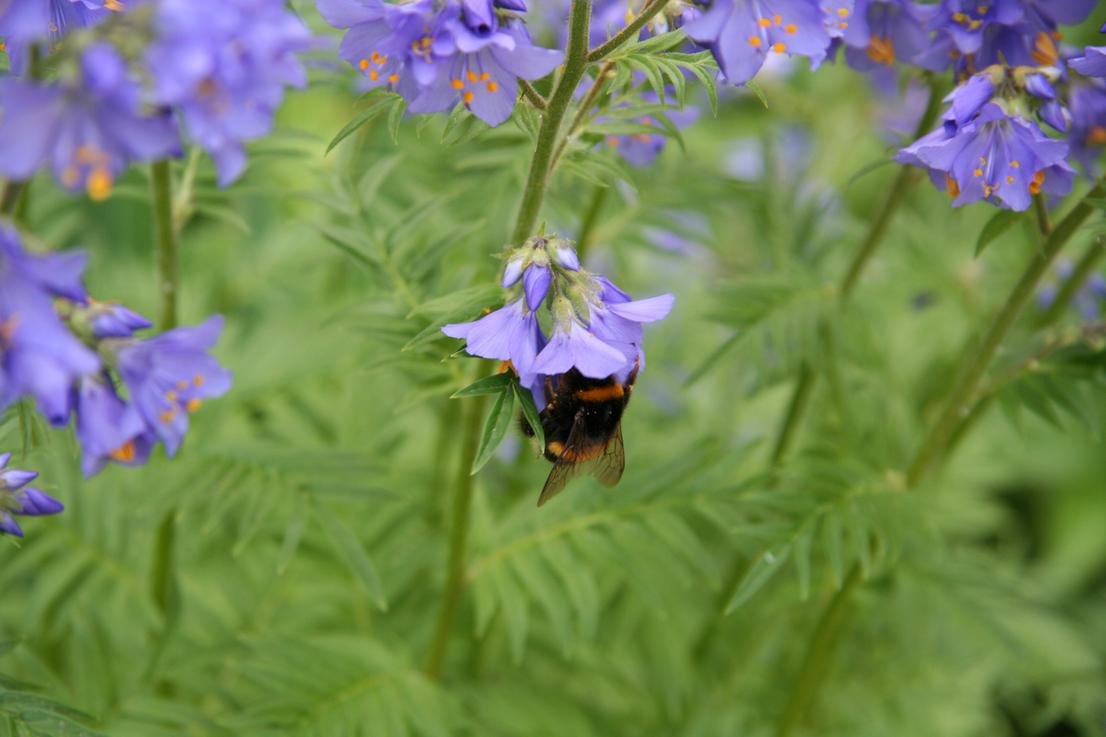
19	499
438	54
595	327
989	147
741	33
87	129
108	428
224	64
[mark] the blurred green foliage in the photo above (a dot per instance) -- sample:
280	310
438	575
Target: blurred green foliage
312	503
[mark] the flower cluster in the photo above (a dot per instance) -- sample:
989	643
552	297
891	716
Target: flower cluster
594	326
65	350
17	498
990	146
216	69
438	54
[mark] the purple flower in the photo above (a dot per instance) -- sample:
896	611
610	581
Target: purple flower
741	33
224	65
535	282
573	345
111	320
16	498
87	131
1088	123
438	55
25	21
881	32
1092	63
169	376
998	157
109	429
511	333
38	355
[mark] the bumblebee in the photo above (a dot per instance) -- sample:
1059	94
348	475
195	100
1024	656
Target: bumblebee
582	422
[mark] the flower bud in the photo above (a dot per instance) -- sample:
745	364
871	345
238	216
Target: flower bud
536	282
513	271
566	256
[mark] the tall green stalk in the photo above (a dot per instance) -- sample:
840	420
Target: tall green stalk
576	63
164	588
529	207
458	538
956	411
165	241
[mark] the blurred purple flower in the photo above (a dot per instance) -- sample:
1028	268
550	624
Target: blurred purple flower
1087	131
111	320
436	55
16	498
38	355
25	21
881	32
109	429
169	376
224	64
87	131
741	33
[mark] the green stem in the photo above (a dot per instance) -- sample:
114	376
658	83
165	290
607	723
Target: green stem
958	404
878	229
532	95
590	220
796	409
818	652
1040	210
538	178
458	537
1079	276
629	32
165	238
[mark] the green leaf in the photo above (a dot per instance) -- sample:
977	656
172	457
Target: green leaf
996	226
495	428
353	554
530	412
382	104
764	567
757	90
494	384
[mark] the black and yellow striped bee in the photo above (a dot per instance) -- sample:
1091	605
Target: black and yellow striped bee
582	421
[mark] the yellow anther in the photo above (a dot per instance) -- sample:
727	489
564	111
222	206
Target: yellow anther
980	10
198	379
457	84
484	76
193	405
843	12
172	395
182	385
114	5
975	24
472	76
881	50
374	75
125	453
1038	181
777	19
468	97
755	41
790	29
779	47
843	25
1015	164
1009	178
952	186
364	64
764	23
1097	136
959	17
393	78
977	173
168	416
493	87
377	58
98	185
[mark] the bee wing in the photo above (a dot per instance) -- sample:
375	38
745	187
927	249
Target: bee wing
610	464
563	470
607	466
